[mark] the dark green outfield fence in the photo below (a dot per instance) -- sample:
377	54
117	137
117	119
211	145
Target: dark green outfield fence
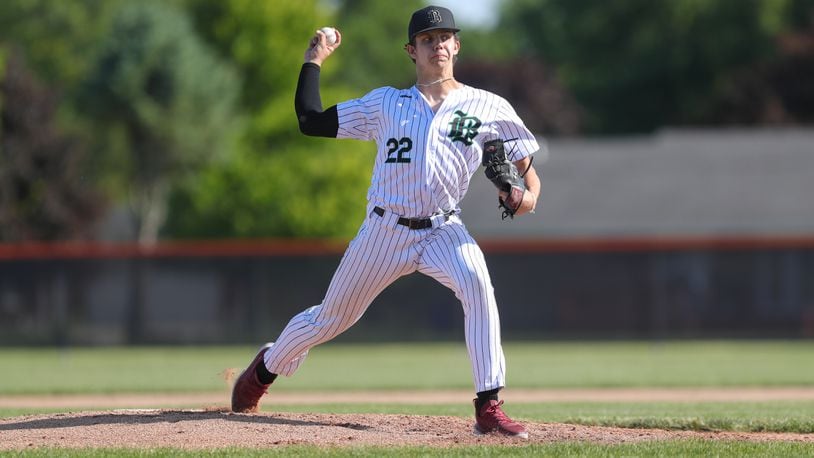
245	292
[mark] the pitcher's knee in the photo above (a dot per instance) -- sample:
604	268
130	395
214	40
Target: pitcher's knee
477	286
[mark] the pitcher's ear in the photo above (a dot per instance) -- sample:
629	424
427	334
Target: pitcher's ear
410	50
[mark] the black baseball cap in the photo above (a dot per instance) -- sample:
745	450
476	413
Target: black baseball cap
430	18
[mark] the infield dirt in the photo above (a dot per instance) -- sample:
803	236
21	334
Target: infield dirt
214	427
201	429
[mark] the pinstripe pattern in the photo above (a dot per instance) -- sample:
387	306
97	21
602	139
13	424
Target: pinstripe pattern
453	258
423	166
437	176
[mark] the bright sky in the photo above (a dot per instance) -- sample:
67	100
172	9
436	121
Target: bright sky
481	13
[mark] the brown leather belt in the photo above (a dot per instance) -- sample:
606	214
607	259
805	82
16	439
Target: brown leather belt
412	223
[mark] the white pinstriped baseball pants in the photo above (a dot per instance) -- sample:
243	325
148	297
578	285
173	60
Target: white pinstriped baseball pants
382	252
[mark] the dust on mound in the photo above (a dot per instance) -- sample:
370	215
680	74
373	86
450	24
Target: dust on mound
216	428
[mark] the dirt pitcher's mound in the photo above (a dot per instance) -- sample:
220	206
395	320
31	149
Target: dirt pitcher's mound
205	429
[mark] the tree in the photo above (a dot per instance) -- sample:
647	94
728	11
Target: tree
791	81
774	90
277	182
2	73
532	89
58	42
636	65
43	195
265	41
167	98
293	191
58	39
373	36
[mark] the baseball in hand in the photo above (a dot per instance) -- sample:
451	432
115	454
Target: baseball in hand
330	35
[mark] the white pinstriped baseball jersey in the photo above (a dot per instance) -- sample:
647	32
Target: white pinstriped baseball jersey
425	159
423	166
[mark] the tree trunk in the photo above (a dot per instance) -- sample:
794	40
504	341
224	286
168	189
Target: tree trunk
151	211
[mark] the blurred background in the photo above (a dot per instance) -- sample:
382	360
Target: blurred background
154	186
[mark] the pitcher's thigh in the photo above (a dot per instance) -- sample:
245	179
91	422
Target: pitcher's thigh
371	263
456	261
366	268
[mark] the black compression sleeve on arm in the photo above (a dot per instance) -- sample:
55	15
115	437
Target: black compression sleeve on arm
313	121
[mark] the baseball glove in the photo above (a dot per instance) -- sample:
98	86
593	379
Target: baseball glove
504	175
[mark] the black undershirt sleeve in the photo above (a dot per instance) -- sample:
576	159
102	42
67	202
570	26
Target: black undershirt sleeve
308	104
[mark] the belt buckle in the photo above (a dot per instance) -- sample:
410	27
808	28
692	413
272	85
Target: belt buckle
438	220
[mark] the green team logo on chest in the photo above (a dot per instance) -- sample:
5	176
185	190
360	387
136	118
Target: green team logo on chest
463	128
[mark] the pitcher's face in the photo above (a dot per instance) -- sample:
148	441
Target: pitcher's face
435	48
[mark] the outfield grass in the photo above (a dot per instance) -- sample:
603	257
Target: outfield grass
415	366
445	366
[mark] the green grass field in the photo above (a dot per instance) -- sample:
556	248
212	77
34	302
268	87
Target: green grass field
445	366
416	366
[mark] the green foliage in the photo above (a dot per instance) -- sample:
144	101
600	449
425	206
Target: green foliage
266	42
373	37
43	195
486	45
278	182
169	97
3	57
637	64
294	190
58	39
155	79
799	16
161	107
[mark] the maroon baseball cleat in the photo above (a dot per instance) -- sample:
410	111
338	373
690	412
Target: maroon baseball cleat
248	390
490	418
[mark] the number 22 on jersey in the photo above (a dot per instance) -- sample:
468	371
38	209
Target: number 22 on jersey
400	148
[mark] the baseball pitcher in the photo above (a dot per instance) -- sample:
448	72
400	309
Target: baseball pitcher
431	138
